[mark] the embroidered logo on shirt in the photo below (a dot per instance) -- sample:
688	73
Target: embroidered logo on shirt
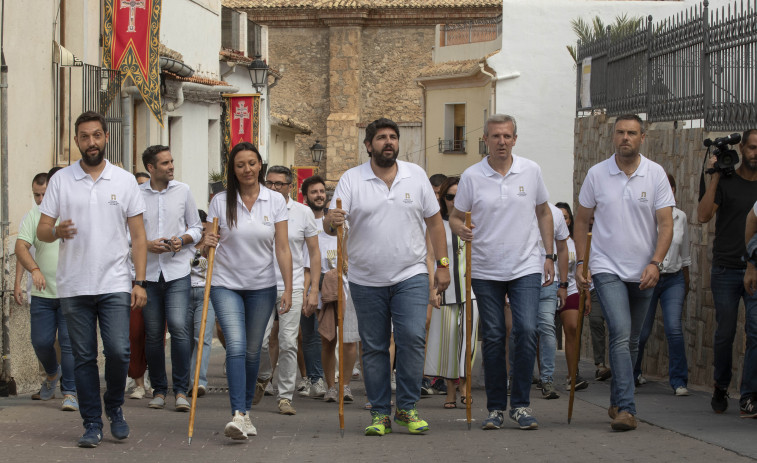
643	198
407	199
521	191
113	201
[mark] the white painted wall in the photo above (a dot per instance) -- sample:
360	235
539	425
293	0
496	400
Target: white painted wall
542	99
193	28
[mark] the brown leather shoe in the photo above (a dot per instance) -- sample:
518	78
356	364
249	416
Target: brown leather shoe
612	412
623	422
259	390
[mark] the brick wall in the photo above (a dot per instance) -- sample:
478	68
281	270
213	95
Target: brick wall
681	153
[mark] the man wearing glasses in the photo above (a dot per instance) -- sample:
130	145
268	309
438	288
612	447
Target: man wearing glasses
171	224
303	234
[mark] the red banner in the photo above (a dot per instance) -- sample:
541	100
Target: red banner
242	119
131	34
300	174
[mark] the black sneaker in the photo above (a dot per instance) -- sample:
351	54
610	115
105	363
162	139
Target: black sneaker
548	391
439	385
426	388
539	384
581	383
118	426
748	407
719	402
93	435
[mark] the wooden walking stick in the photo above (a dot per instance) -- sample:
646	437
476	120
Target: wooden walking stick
573	368
468	325
340	317
205	302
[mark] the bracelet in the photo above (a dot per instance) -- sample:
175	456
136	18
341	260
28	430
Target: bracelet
55	229
580	262
35	268
182	240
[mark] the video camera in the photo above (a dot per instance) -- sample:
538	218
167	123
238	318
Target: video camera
726	158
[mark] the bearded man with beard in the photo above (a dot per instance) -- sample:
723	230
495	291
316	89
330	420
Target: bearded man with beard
385	204
97	203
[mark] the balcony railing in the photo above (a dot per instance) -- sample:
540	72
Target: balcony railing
451	146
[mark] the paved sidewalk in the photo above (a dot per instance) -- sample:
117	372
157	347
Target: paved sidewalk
672	429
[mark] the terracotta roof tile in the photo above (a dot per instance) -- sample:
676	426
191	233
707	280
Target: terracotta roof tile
452	68
198	80
288	121
360	4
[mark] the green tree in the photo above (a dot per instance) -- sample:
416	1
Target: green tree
597	29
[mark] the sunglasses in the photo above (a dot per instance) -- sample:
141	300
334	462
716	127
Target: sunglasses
449	197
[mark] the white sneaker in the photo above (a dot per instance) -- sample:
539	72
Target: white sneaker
235	429
270	390
330	395
304	384
137	393
348	394
355	373
249	429
318	389
682	391
148	385
130	383
305	392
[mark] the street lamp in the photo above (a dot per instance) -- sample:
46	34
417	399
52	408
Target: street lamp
316	151
258	73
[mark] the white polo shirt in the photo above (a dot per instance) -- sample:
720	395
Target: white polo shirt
387	242
244	255
171	212
96	261
560	233
301	225
624	235
503	212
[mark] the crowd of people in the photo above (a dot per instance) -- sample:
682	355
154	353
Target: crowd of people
110	249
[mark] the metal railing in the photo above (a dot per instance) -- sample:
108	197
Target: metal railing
695	65
101	92
480	30
451	146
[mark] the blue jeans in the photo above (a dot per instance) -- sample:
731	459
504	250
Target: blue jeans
47	320
82	315
243	315
727	289
671	293
194	322
311	347
377	308
624	306
545	328
168	303
524	302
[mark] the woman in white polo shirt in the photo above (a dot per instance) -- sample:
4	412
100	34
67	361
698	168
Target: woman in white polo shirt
251	219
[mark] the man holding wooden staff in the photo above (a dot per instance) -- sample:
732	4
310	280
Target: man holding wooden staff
632	202
507	199
387	203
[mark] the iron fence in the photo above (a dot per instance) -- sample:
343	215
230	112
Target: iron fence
451	146
101	92
695	65
480	30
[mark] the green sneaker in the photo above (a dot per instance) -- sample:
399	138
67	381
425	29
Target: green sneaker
409	419
381	425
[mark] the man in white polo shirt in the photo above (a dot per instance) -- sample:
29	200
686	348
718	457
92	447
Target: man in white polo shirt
97	203
387	202
171	224
507	199
630	198
302	232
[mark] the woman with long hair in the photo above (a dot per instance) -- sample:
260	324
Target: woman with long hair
252	226
445	348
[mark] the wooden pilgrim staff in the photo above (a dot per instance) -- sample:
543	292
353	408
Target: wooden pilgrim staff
340	317
205	301
573	367
468	324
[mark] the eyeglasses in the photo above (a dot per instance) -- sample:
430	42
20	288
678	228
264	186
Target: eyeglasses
276	185
449	197
196	260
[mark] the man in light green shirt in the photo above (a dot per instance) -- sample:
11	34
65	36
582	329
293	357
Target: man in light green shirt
46	316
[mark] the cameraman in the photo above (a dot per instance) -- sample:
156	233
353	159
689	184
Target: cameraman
730	198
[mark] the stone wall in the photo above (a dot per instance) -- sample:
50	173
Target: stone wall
337	79
681	153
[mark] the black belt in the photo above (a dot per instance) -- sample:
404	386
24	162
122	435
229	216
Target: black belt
667	274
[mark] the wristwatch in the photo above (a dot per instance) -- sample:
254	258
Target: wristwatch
442	263
141	283
657	264
552	256
563	284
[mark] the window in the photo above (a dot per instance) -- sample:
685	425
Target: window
254	37
230	29
454	129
